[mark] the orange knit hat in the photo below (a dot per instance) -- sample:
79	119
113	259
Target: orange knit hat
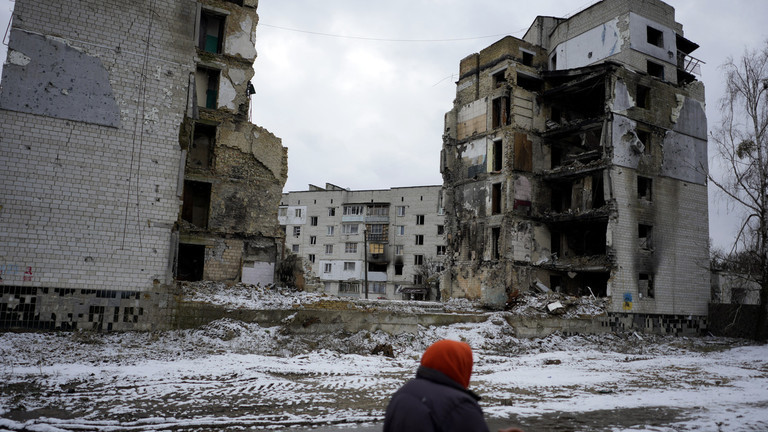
451	358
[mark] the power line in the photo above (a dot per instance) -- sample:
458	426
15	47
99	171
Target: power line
385	39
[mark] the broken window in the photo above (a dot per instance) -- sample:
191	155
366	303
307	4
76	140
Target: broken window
419	219
328	249
211	32
313	220
312	258
419	239
496	198
644	236
440	229
644	188
527	58
645	138
499	79
440	251
500	112
418	279
556	283
331	211
553	62
203	141
350	247
645	285
655	37
353	210
495	237
377	210
191	262
523	159
497	155
296	231
312	240
643	97
655	69
418	259
529	83
377	267
207	87
196	202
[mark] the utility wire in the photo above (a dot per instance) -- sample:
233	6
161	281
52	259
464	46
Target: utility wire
385	39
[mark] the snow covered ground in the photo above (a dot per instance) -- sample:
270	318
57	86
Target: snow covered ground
231	375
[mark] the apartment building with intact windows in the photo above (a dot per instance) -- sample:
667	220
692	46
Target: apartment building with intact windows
574	160
394	238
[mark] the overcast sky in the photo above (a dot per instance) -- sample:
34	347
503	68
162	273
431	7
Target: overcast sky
364	108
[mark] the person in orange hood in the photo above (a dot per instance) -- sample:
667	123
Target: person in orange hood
438	399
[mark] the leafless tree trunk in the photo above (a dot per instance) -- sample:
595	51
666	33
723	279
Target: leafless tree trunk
742	146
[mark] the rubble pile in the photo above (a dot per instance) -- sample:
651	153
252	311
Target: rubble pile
557	304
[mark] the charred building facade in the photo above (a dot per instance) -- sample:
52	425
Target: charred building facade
575	159
129	162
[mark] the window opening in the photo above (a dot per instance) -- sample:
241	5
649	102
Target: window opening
527	58
497	155
196	202
440	229
499	79
645	285
312	240
419	219
644	236
495	237
418	259
644	188
419	239
655	69
295	248
296	231
440	251
655	36
328	249
350	247
191	262
643	97
203	142
496	198
312	258
207	87
313	220
349	266
211	32
327	267
529	83
500	112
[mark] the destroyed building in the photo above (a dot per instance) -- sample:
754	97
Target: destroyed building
575	159
129	162
393	238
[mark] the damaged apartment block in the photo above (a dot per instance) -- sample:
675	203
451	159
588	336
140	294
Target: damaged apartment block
574	160
130	161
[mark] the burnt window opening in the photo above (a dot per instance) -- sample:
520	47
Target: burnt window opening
598	194
211	32
497	155
500	112
191	263
196	202
398	269
377	267
655	37
556	283
555	114
203	142
495	243
655	69
643	97
499	79
645	285
561	197
555	243
644	236
645	138
527	58
207	87
644	188
556	157
496	198
529	83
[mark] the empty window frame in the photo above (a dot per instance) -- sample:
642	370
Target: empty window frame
498	153
418	279
203	142
296	231
529	83
331	211
499	79
495	242
440	229
207	87
353	210
527	58
419	239
377	210
645	137
644	236
419	219
500	110
349	288
211	32
313	220
191	264
196	203
440	251
644	188
655	37
418	260
643	97
398	269
655	69
311	258
312	240
496	198
350	247
349	266
645	286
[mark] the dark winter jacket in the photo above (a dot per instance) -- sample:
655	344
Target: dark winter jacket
434	402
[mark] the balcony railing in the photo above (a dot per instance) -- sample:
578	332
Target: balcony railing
689	64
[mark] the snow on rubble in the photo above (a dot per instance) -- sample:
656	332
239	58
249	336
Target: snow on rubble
232	375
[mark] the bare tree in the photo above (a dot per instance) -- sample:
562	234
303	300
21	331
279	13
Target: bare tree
428	274
742	146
